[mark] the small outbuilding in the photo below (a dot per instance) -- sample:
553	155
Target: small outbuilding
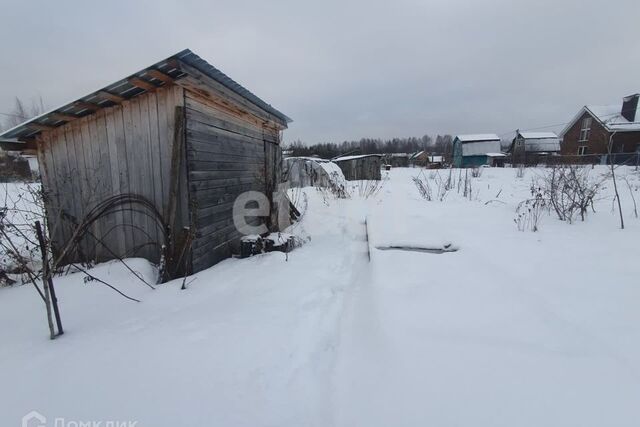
16	165
153	163
476	150
419	158
360	167
534	147
424	159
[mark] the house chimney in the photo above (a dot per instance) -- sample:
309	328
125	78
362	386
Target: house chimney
629	107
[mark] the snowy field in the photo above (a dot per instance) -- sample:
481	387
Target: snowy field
512	329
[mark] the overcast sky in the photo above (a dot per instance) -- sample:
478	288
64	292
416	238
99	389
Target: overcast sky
344	70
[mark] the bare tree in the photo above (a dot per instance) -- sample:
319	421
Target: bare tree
613	175
633	198
22	111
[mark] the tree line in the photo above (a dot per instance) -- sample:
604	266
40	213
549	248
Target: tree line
440	145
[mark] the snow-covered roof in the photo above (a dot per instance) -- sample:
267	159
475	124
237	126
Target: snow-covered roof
419	153
609	116
478	137
315	159
538	135
359	156
435	159
495	155
399	155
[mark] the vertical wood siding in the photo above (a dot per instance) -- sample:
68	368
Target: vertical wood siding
128	149
125	148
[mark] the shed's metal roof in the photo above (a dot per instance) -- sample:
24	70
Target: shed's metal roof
478	137
147	79
357	156
538	135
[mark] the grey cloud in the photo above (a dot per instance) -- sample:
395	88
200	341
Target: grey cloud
345	70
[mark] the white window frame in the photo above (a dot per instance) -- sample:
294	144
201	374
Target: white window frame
585	129
582	150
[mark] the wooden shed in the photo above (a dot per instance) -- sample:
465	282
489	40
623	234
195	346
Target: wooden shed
531	148
360	167
176	142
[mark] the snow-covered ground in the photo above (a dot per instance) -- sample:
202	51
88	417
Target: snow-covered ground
513	329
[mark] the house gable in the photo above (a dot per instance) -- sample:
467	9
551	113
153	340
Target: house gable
596	142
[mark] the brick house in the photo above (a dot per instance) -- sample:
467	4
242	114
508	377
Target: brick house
588	134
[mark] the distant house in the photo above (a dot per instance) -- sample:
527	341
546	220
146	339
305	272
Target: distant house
589	132
477	150
419	158
424	159
360	167
534	147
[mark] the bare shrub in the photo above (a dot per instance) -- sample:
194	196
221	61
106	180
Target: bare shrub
570	191
23	205
423	188
567	190
26	251
529	212
370	187
434	187
337	186
467	185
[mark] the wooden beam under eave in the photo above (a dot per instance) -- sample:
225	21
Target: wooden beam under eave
158	75
61	117
18	146
137	82
40	127
86	105
111	96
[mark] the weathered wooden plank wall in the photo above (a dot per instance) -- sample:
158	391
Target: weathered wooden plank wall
124	148
229	149
227	152
362	168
